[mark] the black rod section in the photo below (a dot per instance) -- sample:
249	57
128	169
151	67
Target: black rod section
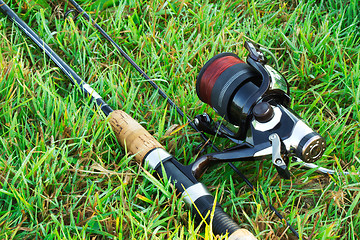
66	69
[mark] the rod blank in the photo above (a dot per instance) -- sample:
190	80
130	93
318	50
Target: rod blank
66	69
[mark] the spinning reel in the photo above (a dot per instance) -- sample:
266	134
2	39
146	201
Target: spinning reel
254	98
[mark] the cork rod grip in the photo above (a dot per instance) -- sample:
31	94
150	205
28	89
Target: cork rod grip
130	134
242	234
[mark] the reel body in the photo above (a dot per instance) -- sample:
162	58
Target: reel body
254	98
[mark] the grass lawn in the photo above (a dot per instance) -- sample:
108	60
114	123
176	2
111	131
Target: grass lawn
64	176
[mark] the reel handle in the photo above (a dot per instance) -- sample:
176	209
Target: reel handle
137	140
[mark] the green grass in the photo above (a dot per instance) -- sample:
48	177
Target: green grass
62	174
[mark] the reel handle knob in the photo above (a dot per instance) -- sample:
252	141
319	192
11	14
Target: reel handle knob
263	112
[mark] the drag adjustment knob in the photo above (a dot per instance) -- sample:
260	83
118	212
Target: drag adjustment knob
263	112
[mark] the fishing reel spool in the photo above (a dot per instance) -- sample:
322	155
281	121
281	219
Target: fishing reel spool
254	98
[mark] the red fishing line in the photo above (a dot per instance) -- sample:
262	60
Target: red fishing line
212	73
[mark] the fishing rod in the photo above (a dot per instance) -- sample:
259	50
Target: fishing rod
80	11
136	139
194	124
303	143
